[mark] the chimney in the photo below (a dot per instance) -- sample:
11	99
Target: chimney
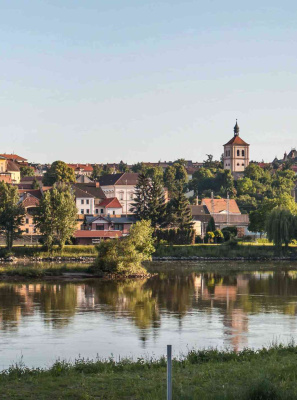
212	203
97	184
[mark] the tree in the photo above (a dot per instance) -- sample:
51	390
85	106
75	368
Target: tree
27	171
211	226
140	205
11	213
175	176
58	172
123	167
56	215
179	212
156	201
125	256
97	172
281	227
35	184
139	167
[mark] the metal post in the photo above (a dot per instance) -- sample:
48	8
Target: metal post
169	372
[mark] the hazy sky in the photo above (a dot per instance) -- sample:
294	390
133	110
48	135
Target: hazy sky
105	80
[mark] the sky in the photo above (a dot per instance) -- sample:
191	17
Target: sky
138	80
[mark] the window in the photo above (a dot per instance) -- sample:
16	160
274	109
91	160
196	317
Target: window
99	227
96	211
113	212
238	164
82	201
118	227
238	152
131	196
27	220
87	211
27	230
102	211
242	164
226	153
82	211
87	201
121	195
242	153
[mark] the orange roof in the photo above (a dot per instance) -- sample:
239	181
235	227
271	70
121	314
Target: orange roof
220	205
97	234
112	202
13	157
84	167
236	140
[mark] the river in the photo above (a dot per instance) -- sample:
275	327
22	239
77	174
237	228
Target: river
188	305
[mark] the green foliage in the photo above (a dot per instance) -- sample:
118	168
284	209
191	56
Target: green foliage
211	226
123	167
56	215
58	172
140	205
139	168
11	213
97	172
281	226
175	236
175	177
125	256
218	235
229	232
35	184
27	171
210	237
179	212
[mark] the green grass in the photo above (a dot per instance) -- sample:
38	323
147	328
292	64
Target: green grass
245	250
38	251
267	374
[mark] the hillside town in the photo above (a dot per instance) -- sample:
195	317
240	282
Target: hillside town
231	192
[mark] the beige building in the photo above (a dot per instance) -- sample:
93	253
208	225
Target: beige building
236	154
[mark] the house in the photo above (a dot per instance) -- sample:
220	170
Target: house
30	201
82	179
110	206
225	212
93	189
15	158
109	223
85	202
82	169
94	237
14	170
121	186
236	154
201	218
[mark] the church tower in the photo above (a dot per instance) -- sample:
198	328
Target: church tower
236	154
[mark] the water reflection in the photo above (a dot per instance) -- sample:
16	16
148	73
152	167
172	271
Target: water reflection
191	298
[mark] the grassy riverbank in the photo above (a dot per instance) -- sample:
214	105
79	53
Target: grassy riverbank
241	249
204	375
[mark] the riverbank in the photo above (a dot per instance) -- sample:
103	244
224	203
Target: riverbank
204	375
199	252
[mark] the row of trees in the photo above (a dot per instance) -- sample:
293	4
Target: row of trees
55	217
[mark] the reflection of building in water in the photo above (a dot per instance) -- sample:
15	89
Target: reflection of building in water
236	322
85	296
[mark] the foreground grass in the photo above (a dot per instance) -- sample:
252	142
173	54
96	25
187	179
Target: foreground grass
41	270
204	375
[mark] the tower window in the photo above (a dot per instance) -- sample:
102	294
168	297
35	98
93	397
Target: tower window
238	164
242	153
238	152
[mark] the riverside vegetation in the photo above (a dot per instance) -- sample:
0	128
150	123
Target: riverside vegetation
266	374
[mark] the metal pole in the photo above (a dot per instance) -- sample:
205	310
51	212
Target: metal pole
169	372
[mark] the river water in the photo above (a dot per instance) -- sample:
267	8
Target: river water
188	305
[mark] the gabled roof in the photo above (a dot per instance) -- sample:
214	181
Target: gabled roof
236	140
112	202
12	166
92	189
81	193
13	157
220	206
83	167
199	210
31	192
125	178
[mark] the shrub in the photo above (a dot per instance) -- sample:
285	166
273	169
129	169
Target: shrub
175	236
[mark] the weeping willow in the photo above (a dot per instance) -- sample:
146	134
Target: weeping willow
281	226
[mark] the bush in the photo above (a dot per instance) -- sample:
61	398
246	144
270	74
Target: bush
175	236
124	256
229	232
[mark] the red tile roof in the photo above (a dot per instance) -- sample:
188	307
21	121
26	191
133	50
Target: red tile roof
13	157
112	202
79	167
30	201
220	205
236	140
97	234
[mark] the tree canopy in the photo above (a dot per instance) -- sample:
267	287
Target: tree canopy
59	171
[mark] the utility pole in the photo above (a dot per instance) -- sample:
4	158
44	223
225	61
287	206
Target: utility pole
228	209
126	200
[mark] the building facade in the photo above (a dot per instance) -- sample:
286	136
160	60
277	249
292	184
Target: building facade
236	154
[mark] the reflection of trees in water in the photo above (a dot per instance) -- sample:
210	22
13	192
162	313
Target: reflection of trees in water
56	302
